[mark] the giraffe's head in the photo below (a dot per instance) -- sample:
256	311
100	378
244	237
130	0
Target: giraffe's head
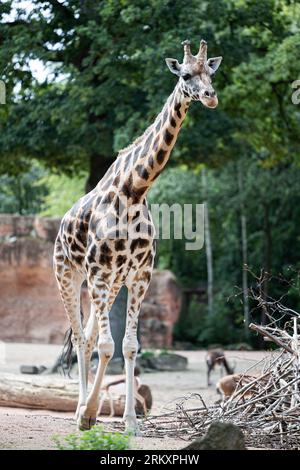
195	74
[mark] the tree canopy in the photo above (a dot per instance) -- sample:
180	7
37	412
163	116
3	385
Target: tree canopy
107	79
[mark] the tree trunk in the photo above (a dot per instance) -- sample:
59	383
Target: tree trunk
19	194
117	319
99	165
267	258
244	252
208	248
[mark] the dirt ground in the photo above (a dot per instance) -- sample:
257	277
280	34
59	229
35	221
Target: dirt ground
32	429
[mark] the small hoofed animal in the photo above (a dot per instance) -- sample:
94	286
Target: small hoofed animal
216	357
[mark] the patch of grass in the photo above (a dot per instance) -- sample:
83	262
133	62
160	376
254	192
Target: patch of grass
164	352
147	354
6	446
94	439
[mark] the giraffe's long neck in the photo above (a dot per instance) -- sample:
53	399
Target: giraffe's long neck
145	159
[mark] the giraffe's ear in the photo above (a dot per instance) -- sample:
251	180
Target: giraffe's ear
214	64
174	66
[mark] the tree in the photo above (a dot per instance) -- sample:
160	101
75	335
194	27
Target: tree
244	242
23	193
107	78
208	247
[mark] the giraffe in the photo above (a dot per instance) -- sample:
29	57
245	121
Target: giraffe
92	245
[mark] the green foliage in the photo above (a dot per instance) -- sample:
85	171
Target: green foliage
147	354
164	352
38	191
23	193
94	439
63	192
181	186
190	324
272	233
107	79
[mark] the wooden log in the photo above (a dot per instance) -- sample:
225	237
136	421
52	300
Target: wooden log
57	394
44	393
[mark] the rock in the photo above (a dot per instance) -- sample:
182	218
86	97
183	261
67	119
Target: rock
115	366
46	228
167	362
16	225
29	369
220	436
31	309
33	370
160	310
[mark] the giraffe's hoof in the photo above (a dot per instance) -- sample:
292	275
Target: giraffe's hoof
134	431
132	427
85	423
77	412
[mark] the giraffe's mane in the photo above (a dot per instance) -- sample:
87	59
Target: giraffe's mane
137	141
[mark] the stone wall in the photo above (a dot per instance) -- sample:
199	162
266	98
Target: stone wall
160	310
31	309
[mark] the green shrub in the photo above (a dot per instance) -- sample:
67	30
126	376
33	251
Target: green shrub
94	439
63	192
164	352
147	354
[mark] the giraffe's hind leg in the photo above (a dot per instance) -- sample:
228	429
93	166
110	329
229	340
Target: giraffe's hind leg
91	333
137	289
69	284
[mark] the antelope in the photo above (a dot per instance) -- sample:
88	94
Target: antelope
107	394
227	385
213	357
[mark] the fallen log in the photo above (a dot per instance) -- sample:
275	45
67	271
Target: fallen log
36	392
56	394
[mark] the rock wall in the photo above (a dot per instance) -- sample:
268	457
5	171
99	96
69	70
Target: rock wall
160	310
31	309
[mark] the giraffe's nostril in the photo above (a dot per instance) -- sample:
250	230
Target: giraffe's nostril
207	94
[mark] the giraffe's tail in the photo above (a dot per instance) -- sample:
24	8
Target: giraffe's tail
68	357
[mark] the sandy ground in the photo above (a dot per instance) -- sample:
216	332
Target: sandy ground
32	429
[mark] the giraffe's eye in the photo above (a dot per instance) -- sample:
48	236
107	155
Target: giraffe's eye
187	76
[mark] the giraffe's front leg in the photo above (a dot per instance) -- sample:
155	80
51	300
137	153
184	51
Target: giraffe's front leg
136	292
130	348
102	298
90	334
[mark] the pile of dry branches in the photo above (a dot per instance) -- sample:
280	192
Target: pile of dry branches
266	406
